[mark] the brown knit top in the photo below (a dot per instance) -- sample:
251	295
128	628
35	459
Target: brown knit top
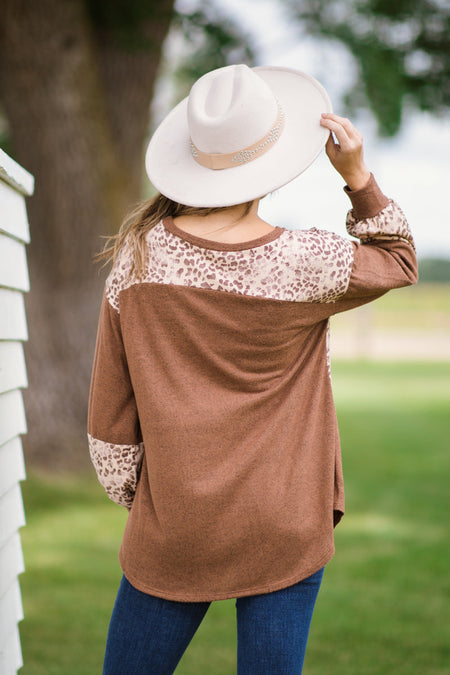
211	415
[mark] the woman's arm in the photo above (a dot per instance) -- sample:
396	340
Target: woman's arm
385	256
114	435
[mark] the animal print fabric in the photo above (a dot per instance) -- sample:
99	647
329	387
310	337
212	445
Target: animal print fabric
303	266
389	224
118	468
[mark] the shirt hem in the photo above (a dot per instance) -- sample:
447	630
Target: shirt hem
232	594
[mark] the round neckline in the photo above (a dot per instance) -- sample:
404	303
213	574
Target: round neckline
171	227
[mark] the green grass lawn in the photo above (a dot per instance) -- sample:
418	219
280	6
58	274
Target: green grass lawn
423	307
384	604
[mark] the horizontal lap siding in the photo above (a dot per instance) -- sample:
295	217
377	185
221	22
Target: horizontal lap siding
11	613
15	183
13	323
11	561
12	515
12	415
12	465
13	264
13	214
13	372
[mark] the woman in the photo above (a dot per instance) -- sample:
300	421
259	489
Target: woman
211	415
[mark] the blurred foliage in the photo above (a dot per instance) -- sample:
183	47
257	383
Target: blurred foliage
213	41
128	21
402	48
211	38
434	270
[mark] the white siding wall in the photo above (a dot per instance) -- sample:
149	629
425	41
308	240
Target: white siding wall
15	184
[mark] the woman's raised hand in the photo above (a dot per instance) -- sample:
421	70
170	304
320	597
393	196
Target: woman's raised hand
347	154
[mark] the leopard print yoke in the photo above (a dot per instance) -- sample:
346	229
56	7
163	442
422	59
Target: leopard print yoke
118	468
300	266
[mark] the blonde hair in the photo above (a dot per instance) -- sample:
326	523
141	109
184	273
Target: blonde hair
142	219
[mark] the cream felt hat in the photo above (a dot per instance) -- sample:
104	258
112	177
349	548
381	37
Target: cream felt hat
241	133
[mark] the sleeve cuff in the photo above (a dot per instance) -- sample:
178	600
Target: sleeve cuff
368	201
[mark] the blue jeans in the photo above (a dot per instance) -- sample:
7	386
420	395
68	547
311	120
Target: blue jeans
148	635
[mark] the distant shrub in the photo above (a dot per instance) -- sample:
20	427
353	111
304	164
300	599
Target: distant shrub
434	270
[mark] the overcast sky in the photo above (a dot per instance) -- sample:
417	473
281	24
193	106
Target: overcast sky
413	168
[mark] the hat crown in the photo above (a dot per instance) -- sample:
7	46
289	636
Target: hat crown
230	108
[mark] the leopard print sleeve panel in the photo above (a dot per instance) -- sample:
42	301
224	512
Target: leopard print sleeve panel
300	266
118	468
390	223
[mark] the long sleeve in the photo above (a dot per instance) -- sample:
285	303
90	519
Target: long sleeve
384	258
114	434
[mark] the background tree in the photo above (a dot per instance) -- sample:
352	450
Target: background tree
401	47
76	81
76	95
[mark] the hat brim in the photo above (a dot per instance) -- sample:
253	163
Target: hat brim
174	172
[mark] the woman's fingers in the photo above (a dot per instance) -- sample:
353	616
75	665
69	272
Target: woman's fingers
340	121
331	147
347	154
347	136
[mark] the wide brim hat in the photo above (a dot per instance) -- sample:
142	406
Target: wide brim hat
240	134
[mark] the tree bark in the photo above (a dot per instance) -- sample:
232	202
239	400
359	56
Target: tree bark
78	106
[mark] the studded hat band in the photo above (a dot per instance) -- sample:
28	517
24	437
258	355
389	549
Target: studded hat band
231	159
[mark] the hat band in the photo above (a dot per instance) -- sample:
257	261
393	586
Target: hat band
248	154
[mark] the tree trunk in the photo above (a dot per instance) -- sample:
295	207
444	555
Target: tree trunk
78	106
